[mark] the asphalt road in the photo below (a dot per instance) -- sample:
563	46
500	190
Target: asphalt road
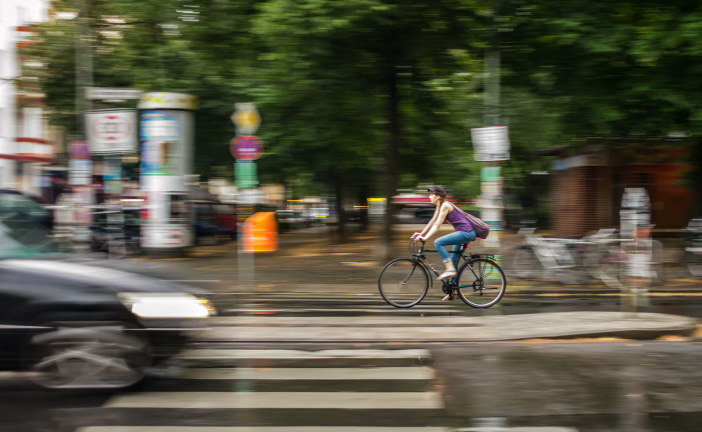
584	385
311	261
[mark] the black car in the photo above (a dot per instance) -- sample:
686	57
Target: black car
18	208
80	325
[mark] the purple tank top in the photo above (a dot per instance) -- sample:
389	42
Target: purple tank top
459	222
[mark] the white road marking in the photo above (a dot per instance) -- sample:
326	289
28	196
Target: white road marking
321	374
280	400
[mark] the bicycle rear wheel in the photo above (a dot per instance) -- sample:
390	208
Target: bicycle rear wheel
484	285
403	282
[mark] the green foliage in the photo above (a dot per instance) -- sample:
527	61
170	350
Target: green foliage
342	85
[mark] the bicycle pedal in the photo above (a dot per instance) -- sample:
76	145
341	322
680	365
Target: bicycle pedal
450	296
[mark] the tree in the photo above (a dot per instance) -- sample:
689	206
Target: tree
344	79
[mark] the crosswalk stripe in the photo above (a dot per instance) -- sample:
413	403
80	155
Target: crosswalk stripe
377	373
273	354
280	400
262	429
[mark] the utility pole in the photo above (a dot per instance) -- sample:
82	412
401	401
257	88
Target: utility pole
491	65
491	142
84	62
82	191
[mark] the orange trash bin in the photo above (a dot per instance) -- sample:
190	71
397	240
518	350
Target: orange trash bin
261	233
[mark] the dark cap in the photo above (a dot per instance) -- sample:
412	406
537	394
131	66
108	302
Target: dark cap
437	190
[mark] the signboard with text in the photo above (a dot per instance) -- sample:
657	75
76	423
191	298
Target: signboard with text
111	131
490	143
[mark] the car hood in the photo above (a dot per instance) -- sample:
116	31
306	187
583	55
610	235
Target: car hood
94	276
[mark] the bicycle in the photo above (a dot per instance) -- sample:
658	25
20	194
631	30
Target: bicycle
547	257
404	282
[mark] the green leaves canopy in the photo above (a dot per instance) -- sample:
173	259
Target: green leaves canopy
344	86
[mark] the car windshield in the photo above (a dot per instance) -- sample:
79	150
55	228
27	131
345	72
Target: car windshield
25	239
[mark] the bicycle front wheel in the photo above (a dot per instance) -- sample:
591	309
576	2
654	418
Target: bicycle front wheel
481	283
403	282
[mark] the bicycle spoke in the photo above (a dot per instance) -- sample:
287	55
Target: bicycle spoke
481	283
403	283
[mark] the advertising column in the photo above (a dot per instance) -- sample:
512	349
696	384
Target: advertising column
167	131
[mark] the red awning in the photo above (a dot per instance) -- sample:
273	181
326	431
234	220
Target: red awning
27	158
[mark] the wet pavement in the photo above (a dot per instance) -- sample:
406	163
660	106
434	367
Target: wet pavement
305	343
310	266
615	386
312	259
603	386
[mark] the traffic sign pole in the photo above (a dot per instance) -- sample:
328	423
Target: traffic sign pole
245	147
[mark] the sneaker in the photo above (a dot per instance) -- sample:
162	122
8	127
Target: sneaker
446	274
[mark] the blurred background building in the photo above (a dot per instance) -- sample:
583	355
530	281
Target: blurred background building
27	144
587	186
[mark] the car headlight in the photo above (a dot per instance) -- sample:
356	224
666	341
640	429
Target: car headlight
167	305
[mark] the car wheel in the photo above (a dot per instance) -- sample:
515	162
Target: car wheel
84	358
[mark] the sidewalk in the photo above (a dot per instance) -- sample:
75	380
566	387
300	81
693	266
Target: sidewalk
422	329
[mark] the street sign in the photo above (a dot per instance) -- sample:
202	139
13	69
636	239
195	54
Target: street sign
246	147
246	118
109	93
111	131
490	143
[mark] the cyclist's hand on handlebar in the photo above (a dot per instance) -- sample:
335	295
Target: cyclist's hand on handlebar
417	237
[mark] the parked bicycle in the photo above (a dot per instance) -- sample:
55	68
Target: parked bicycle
601	256
479	282
548	258
692	257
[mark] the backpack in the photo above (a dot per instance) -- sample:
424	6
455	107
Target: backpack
482	229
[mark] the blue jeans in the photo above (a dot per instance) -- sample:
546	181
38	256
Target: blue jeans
455	238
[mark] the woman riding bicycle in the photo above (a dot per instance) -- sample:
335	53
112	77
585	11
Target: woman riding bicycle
464	231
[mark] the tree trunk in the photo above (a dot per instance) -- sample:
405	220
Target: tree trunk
391	154
341	219
363	205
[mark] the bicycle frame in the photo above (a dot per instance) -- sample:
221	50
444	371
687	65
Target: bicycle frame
421	259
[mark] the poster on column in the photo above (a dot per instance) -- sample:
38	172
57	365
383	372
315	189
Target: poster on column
160	134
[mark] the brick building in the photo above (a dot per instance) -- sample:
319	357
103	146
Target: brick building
587	186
